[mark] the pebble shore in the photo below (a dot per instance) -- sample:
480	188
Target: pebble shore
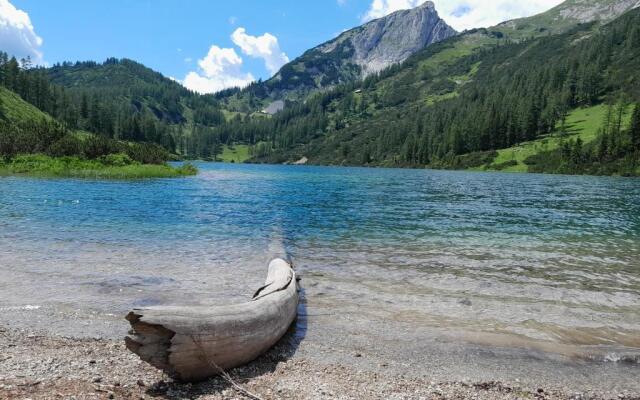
35	366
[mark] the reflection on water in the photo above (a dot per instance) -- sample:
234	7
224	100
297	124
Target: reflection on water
526	260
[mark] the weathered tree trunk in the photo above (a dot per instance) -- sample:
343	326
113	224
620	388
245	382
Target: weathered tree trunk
195	343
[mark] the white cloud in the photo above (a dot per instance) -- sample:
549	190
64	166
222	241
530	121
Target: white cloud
218	70
380	8
265	47
17	35
221	68
466	14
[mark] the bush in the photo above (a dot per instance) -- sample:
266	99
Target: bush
97	146
116	160
188	169
69	145
504	165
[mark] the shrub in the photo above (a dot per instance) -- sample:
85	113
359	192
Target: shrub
116	160
68	145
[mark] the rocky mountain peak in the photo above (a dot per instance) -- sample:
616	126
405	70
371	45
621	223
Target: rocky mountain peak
392	39
358	52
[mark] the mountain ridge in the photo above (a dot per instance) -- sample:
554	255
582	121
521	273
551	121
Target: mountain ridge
354	54
568	14
377	38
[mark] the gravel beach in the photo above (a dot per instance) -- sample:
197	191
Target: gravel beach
40	366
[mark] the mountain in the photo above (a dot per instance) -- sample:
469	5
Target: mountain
457	103
354	54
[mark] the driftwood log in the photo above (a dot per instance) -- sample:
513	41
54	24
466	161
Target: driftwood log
195	343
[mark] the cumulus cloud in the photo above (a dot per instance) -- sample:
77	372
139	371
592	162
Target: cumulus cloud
17	35
466	14
219	69
265	47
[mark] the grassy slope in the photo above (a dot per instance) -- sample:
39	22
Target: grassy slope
14	109
582	123
239	153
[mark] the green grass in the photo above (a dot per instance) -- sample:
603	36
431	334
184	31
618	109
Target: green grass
37	165
583	123
13	108
238	153
230	115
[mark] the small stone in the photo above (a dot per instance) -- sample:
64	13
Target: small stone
140	383
358	355
540	390
97	379
92	361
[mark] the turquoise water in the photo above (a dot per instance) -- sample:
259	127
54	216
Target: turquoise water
546	262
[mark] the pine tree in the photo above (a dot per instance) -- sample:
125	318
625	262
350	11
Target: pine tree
84	106
635	128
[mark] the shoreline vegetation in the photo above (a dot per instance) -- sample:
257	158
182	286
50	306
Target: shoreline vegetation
113	166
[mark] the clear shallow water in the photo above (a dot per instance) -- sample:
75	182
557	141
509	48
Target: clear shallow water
550	263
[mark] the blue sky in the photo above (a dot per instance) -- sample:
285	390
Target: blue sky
211	44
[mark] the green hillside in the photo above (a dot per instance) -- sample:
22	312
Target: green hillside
469	95
582	123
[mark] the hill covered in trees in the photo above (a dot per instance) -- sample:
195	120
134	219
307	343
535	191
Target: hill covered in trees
119	100
126	100
33	141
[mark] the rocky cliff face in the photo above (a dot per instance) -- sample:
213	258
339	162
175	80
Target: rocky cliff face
567	15
360	51
392	39
590	10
